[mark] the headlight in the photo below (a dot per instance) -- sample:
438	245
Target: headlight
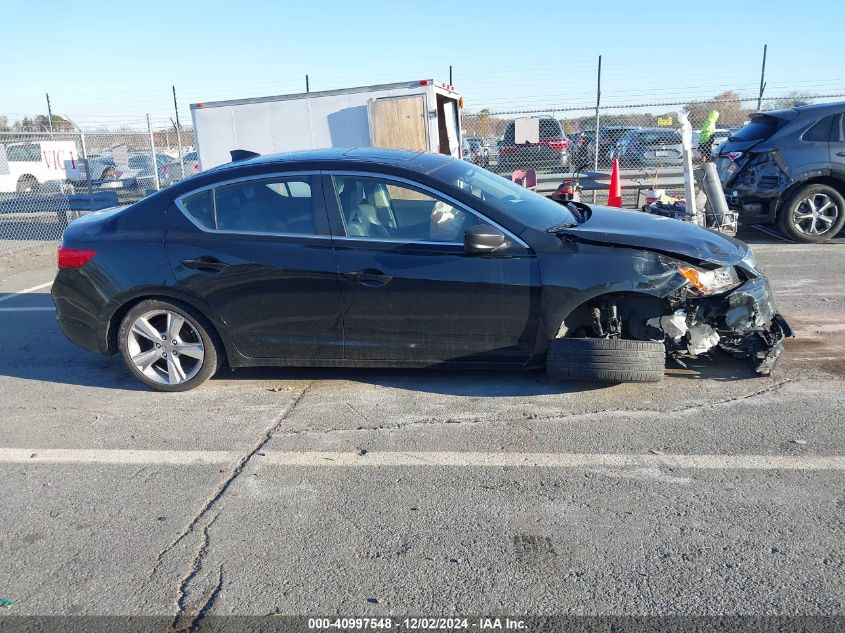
711	282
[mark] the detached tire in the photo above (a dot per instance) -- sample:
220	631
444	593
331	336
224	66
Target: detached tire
606	360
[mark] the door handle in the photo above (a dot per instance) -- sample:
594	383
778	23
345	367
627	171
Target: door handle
369	277
840	153
206	263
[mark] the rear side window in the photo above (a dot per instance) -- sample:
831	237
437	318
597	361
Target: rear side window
277	205
200	206
759	129
840	137
820	130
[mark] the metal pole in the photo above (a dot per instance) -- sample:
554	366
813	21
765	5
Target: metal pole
87	170
153	152
450	74
598	103
49	113
307	86
762	78
178	133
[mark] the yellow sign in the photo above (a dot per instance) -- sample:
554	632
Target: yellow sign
664	121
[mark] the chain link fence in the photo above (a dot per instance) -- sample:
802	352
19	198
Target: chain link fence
49	179
46	179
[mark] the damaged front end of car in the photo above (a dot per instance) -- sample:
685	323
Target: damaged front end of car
729	308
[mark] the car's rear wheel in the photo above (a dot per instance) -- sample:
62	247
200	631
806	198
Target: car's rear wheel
27	184
168	346
606	360
814	213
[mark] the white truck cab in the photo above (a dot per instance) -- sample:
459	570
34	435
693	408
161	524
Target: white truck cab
422	115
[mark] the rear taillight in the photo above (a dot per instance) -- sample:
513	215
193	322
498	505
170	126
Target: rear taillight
556	143
507	149
74	257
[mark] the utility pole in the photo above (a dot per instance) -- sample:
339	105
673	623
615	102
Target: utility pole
762	79
49	113
307	84
450	75
178	132
598	103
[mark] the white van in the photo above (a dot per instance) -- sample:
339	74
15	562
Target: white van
26	166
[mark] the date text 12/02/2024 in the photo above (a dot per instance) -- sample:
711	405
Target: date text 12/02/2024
422	624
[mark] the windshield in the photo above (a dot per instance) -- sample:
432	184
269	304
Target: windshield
509	198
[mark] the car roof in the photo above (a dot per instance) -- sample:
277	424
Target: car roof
343	157
812	109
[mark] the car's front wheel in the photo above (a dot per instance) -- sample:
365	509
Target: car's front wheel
168	346
606	360
814	213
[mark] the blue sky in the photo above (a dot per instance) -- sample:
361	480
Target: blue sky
114	62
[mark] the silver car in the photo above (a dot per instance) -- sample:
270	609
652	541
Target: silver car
649	147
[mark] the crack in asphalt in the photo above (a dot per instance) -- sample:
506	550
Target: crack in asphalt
191	621
223	486
194	569
584	414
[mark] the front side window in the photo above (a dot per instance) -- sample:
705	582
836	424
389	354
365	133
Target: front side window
273	205
381	209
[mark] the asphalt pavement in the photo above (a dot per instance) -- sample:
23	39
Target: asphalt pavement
364	492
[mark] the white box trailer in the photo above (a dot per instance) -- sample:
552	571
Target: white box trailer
422	115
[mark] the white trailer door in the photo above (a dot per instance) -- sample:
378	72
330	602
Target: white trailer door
398	122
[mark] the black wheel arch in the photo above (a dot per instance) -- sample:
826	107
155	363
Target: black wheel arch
121	306
638	305
832	179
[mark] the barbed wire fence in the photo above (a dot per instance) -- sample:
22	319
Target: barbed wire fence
47	179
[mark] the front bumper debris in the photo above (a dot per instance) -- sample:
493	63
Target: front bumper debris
743	322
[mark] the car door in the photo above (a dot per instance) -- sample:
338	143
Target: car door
258	251
410	291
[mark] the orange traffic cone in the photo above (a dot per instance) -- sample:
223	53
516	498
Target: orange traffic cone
614	195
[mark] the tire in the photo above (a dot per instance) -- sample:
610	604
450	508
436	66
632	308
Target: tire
198	351
27	184
109	173
820	221
606	360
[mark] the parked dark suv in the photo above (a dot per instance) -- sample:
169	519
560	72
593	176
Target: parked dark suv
787	167
550	153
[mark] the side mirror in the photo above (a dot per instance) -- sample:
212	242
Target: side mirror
483	238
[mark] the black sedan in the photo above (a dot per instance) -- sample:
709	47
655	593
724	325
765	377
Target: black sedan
372	257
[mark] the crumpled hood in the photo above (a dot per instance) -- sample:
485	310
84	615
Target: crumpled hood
659	234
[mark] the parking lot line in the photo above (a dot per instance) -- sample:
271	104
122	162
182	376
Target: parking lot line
32	309
12	295
446	458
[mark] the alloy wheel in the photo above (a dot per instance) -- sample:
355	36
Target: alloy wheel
165	347
815	214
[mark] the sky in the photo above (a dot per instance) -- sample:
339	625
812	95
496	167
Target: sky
112	64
